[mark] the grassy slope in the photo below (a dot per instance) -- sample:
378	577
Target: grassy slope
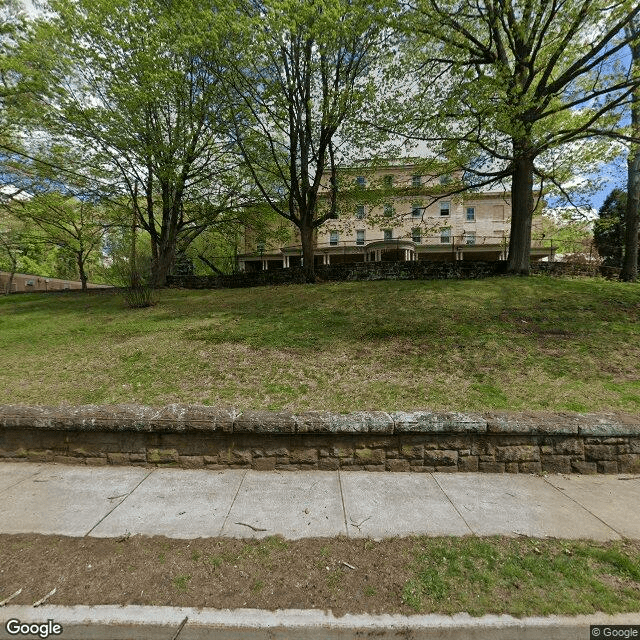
512	343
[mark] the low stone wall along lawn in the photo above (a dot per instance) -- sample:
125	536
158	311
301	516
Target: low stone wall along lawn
207	437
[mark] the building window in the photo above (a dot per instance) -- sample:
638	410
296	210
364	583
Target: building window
416	181
445	236
360	211
333	238
388	234
416	211
416	235
471	214
470	238
388	182
360	181
360	237
445	208
388	210
260	247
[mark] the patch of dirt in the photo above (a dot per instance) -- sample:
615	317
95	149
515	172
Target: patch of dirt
339	574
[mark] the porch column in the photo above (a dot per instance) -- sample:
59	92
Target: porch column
265	265
285	262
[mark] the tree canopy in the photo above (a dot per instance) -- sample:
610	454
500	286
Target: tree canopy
508	91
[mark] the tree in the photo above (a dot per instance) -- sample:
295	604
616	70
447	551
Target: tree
143	105
301	73
77	225
510	91
632	217
610	230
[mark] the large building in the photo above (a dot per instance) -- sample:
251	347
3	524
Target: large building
394	213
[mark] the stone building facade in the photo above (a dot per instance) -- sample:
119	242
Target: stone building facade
394	213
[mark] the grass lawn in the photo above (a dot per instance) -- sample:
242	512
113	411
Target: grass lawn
504	343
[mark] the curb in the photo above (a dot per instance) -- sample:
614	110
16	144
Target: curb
165	623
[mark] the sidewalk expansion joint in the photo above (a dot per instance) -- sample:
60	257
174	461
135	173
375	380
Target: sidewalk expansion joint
235	497
15	484
566	495
106	515
446	495
344	509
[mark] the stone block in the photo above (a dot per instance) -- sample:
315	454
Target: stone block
580	466
531	422
68	460
191	462
441	458
370	456
629	463
96	462
278	451
412	451
431	422
211	460
264	422
81	452
468	463
304	456
491	467
39	456
530	467
570	446
397	465
328	464
264	464
607	466
546	450
608	425
522	453
374	467
342	452
162	456
442	469
511	467
599	452
483	447
118	458
556	464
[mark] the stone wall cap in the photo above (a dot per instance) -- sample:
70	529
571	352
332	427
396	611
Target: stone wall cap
124	417
377	422
200	418
432	422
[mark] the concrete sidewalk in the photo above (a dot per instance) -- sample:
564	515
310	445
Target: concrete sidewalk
178	503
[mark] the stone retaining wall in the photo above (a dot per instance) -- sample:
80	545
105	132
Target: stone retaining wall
206	437
421	270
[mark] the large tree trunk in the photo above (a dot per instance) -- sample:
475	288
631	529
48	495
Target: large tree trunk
81	271
163	263
306	235
521	212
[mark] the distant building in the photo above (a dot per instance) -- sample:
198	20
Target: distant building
395	214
